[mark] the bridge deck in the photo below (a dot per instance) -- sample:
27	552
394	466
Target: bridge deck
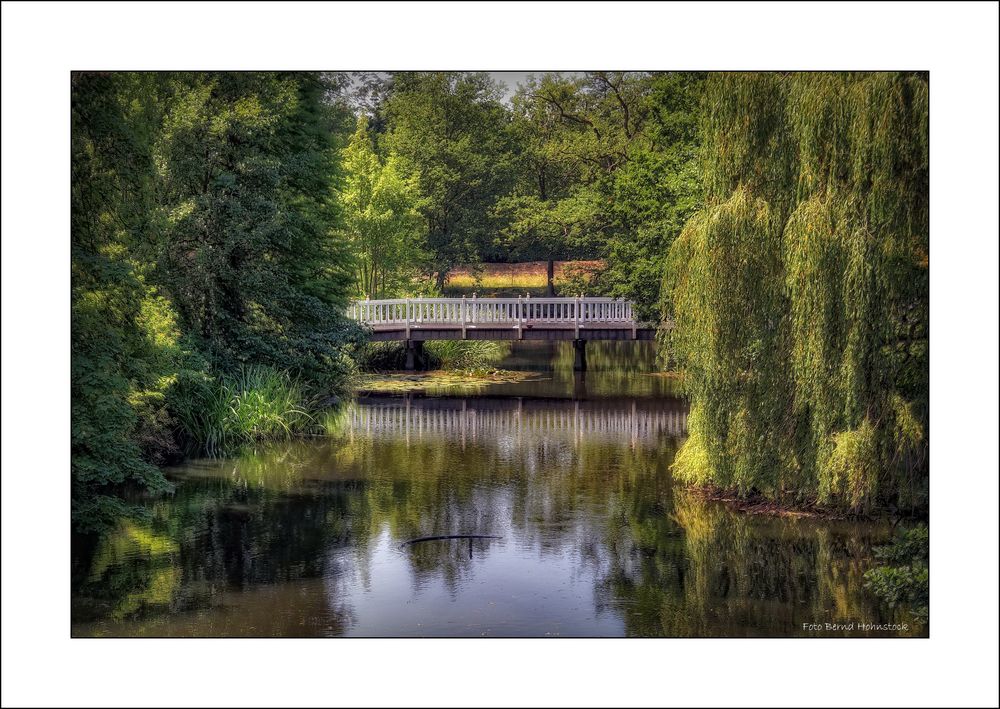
445	331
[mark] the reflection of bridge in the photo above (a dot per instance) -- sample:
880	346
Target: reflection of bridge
415	320
635	421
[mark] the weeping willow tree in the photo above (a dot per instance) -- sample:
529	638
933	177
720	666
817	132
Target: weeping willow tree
800	290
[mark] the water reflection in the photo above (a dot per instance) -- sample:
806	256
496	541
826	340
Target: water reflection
614	370
304	539
502	421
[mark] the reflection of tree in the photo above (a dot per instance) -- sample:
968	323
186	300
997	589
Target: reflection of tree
614	370
708	571
133	567
270	542
215	538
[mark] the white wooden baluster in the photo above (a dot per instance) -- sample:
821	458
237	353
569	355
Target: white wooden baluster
518	312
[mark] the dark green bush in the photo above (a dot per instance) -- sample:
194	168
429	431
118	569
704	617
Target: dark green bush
901	580
450	355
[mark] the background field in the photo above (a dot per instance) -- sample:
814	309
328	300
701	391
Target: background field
512	279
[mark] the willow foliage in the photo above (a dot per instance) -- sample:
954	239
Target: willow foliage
800	290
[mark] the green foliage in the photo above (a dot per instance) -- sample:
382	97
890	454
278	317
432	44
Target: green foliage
851	471
451	131
471	355
654	194
734	349
254	404
902	580
745	137
251	256
550	229
608	168
800	290
204	244
381	220
125	344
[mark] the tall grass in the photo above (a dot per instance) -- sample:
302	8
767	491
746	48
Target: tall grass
467	354
255	404
333	422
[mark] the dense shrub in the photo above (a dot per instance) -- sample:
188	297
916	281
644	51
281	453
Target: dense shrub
901	579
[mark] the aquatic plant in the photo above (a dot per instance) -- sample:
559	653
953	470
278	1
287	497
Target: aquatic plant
254	404
901	580
467	354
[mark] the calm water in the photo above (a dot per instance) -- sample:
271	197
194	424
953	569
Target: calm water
570	474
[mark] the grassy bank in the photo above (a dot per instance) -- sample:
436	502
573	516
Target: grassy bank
220	416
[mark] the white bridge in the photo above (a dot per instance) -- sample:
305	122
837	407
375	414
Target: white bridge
415	320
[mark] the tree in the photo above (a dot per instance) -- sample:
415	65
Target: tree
125	343
800	290
654	193
204	237
607	170
547	230
451	130
253	257
551	214
381	220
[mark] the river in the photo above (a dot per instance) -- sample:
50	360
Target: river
564	480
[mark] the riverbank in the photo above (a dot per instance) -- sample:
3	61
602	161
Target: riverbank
760	505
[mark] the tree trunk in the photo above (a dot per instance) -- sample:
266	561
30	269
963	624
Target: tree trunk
550	270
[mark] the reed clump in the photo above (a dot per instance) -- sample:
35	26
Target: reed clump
253	404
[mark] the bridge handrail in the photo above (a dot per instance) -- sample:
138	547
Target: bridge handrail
508	299
474	310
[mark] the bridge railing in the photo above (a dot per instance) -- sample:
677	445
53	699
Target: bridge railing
489	311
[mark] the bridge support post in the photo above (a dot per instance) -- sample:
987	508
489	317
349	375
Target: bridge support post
414	354
579	355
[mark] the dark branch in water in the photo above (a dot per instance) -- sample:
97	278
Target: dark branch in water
448	536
